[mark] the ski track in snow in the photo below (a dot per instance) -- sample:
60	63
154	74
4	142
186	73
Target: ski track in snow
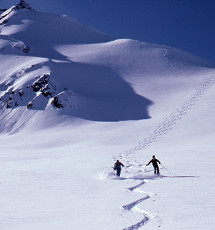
132	162
6	126
133	206
27	122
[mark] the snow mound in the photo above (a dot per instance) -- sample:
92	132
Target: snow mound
132	56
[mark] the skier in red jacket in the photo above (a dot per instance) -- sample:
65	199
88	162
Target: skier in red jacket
155	164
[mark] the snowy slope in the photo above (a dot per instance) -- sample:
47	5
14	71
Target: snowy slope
73	100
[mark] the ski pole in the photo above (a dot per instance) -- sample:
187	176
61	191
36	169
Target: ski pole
166	169
126	170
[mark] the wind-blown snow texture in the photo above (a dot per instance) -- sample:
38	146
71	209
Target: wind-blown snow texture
73	100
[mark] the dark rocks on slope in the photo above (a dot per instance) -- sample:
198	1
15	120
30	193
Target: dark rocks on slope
23	5
56	102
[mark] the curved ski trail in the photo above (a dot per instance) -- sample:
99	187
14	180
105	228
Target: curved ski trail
133	206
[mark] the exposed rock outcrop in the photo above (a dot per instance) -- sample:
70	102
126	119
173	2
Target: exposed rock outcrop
23	5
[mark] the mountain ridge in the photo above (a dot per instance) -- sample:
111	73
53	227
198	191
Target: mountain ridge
79	71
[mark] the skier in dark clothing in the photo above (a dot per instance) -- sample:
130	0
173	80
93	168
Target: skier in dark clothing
118	168
155	164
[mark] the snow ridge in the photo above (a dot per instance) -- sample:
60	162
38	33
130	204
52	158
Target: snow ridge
20	6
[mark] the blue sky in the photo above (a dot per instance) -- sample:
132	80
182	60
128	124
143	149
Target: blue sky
184	24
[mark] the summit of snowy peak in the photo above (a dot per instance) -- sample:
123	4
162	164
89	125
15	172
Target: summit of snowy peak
6	14
23	5
43	31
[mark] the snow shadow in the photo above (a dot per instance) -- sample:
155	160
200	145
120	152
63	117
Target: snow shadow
100	94
142	177
180	176
112	176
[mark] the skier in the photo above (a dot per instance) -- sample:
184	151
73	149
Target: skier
155	164
117	167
